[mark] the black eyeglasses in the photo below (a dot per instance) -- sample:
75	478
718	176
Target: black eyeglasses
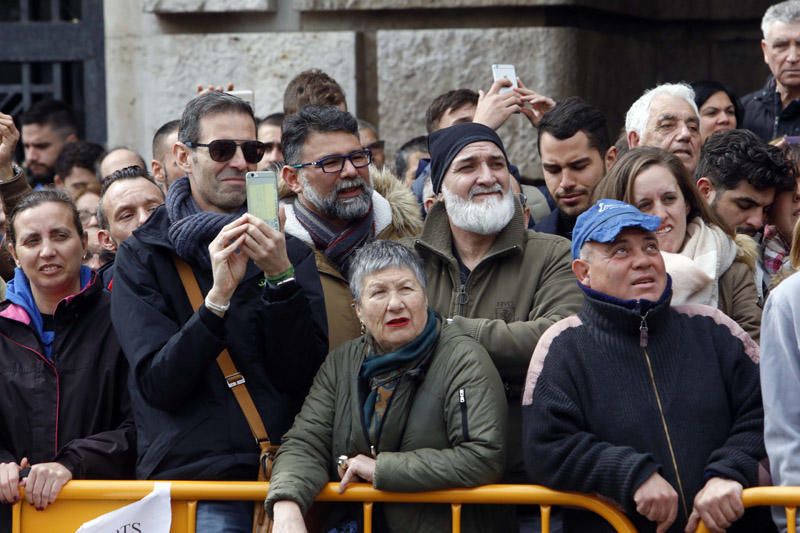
335	163
222	150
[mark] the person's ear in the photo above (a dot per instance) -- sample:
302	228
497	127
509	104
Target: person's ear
633	139
71	138
611	157
183	157
158	173
580	268
358	311
764	46
291	176
706	188
10	248
58	182
428	203
105	240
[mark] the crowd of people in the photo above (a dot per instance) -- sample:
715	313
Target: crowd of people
434	322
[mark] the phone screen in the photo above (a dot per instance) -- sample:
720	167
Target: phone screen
505	71
262	196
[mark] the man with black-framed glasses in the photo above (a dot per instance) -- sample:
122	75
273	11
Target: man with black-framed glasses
259	295
336	210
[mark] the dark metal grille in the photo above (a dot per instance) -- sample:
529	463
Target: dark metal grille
54	49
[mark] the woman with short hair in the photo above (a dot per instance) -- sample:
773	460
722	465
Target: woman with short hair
414	404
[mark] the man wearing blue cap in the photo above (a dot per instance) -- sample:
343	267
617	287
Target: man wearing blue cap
656	407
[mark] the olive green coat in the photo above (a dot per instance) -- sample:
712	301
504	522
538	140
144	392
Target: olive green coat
523	286
424	445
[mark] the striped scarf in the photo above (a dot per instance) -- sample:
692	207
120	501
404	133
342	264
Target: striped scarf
337	247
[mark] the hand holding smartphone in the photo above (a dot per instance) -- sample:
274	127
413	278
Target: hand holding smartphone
262	196
508	72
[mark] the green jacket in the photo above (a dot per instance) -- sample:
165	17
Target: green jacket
431	439
523	286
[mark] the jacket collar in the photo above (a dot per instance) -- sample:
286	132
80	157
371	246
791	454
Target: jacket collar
155	231
436	234
626	316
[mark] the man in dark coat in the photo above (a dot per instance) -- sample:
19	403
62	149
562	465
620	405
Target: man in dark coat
262	304
657	408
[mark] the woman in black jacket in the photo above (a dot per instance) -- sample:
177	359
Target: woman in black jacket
64	404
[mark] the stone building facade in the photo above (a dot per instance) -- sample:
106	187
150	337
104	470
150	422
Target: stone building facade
392	57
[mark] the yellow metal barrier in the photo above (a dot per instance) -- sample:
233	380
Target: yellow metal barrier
80	501
786	497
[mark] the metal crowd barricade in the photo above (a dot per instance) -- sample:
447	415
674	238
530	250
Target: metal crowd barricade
82	500
786	497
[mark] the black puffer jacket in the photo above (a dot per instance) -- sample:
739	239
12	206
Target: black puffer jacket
75	408
188	422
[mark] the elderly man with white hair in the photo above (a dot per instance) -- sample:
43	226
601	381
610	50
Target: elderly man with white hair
666	117
774	111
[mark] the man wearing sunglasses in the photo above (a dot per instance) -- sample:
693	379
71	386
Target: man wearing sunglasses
336	210
255	282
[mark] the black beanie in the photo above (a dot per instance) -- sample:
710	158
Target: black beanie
445	144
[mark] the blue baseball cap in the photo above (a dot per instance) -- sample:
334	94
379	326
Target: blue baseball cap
605	220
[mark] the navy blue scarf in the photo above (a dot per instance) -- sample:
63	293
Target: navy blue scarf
191	230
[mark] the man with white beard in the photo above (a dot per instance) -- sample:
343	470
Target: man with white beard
501	283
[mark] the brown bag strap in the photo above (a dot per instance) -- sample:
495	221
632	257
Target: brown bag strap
233	377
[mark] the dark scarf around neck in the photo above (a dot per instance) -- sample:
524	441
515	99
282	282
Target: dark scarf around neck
191	230
380	373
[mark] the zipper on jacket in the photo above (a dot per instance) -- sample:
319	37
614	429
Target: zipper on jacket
462	401
461	299
666	428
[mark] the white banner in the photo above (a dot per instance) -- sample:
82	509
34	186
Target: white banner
151	514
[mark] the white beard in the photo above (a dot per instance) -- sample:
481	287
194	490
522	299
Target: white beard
484	218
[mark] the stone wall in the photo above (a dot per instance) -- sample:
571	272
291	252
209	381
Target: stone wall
394	56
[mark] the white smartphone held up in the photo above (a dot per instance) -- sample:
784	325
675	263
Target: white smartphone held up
248	97
505	71
262	196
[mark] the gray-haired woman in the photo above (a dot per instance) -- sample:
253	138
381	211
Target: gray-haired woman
412	405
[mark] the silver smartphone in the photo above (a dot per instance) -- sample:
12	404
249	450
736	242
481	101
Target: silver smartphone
247	96
505	71
262	196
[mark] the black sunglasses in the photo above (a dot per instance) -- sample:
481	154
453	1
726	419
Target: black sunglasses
222	150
